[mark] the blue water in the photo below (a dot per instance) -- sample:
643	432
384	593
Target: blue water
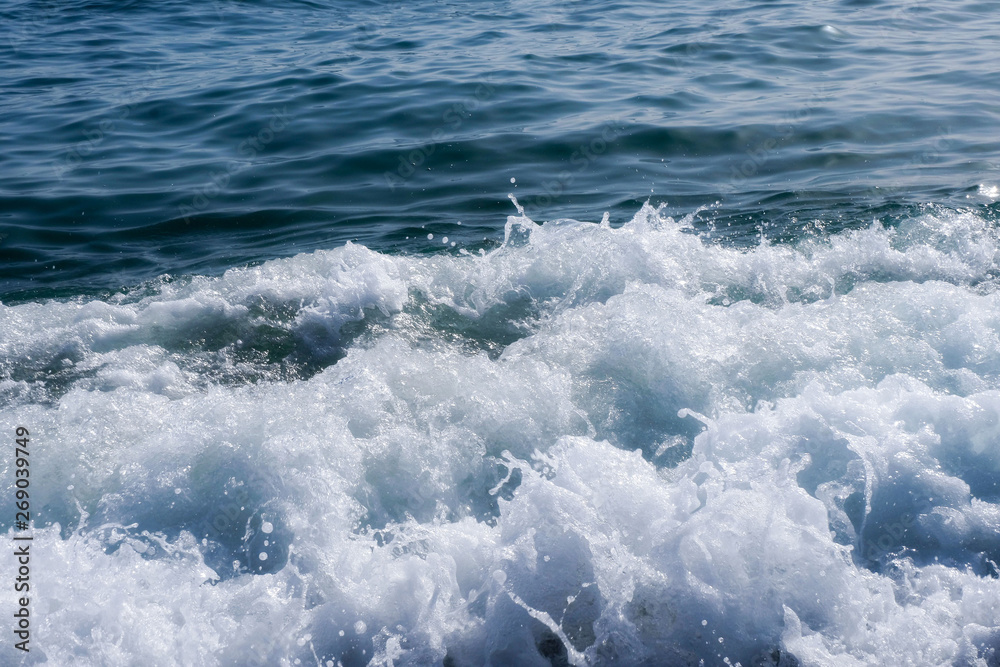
127	127
528	333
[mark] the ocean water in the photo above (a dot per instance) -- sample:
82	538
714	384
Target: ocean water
502	333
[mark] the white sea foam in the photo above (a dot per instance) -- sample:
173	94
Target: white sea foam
591	444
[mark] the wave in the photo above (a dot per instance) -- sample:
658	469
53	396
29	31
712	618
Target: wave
591	444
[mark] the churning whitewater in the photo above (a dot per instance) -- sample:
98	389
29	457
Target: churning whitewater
591	445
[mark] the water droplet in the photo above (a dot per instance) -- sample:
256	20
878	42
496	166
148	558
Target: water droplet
360	627
267	527
262	556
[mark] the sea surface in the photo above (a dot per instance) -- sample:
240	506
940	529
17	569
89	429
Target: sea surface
502	332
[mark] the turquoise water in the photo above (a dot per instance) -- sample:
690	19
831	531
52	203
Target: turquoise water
509	333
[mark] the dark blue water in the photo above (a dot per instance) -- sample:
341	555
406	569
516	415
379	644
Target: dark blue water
501	332
145	138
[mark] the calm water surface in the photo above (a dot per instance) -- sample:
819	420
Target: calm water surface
146	138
